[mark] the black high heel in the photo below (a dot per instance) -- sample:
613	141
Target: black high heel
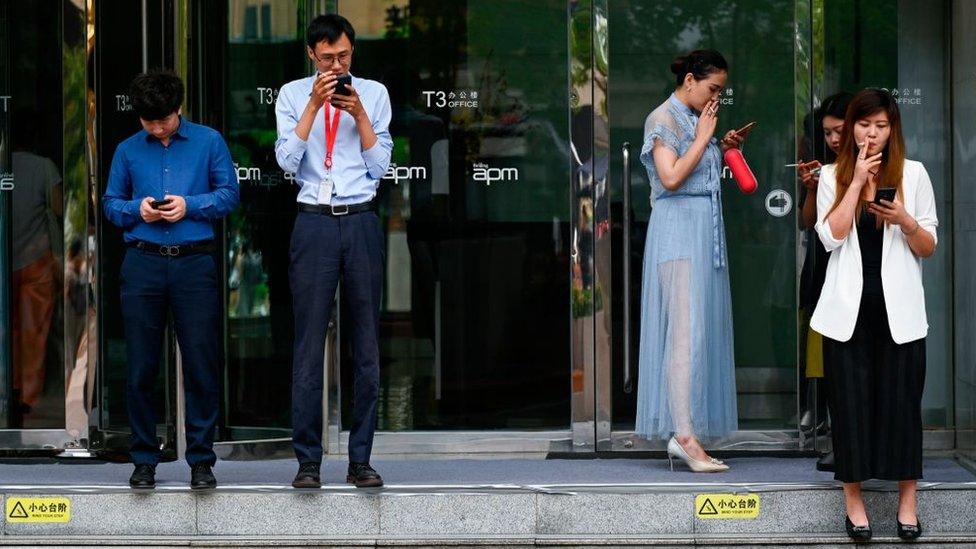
909	532
858	533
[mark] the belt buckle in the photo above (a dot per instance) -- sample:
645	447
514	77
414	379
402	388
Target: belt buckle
169	251
343	211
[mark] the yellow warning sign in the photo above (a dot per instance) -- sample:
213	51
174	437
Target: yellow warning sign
35	509
727	506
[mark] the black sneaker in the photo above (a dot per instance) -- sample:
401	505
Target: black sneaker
308	476
363	476
144	477
202	477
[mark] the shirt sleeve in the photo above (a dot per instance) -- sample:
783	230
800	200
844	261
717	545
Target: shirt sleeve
377	157
120	207
826	194
289	148
224	194
925	204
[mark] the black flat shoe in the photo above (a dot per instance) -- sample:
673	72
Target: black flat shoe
363	476
857	533
144	477
909	532
826	462
202	477
308	476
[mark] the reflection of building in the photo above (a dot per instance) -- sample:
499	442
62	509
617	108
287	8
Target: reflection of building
263	21
502	322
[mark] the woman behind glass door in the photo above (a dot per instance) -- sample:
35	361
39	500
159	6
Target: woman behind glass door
871	311
829	119
686	387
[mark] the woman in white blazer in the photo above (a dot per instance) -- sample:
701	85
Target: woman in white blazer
871	310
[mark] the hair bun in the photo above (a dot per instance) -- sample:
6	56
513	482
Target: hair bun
680	65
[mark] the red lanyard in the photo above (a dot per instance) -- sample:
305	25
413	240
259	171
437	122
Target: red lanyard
331	131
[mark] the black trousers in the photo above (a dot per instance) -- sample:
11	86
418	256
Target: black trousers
186	286
875	393
323	250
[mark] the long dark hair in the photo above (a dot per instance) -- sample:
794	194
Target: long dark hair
866	103
700	63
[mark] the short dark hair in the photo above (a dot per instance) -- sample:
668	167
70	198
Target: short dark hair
700	63
329	28
156	94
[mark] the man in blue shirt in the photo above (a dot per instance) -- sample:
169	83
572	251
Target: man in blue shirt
167	184
337	142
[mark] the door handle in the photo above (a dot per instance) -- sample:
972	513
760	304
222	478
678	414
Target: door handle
628	378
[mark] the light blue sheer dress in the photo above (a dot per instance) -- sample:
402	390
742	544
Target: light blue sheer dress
686	383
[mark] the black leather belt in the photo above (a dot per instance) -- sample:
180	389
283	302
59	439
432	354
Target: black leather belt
175	250
336	211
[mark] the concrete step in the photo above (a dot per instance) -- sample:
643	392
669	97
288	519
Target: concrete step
258	512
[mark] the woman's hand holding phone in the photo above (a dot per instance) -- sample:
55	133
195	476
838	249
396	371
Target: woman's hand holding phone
809	174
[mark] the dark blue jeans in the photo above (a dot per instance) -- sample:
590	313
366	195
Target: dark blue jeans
323	249
152	286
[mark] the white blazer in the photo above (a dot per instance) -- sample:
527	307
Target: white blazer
901	270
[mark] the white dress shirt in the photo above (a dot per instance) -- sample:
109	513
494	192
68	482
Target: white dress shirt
901	270
356	173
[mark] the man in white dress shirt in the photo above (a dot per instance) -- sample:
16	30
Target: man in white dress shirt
335	138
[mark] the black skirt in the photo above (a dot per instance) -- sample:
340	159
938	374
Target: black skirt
875	394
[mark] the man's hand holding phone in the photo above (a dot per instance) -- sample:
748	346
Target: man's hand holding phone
323	88
173	208
148	213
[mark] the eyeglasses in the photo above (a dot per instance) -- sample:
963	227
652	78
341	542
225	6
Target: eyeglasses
330	59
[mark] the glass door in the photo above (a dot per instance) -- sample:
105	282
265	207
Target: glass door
43	241
766	43
117	57
475	208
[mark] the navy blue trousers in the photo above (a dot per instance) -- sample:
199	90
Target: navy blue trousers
323	249
152	287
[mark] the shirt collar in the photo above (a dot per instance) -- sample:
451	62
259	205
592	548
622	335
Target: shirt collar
682	108
182	132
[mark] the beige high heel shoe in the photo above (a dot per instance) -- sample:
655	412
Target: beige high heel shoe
712	465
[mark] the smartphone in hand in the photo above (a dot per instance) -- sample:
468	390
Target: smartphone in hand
887	193
155	204
341	83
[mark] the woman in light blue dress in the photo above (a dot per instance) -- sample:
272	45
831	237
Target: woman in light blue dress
686	387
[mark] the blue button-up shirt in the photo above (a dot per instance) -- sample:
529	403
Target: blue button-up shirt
196	165
355	172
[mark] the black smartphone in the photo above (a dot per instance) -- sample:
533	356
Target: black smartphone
887	193
155	204
341	83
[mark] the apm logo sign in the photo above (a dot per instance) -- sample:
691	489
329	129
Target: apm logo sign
396	174
488	175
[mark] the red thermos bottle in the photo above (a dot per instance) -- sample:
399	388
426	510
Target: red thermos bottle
740	171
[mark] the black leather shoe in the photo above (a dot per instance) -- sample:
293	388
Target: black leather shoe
909	532
308	476
363	476
826	462
202	477
144	477
857	533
